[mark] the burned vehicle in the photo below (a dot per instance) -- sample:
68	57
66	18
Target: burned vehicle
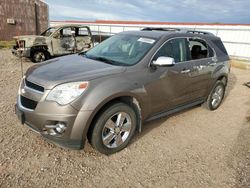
55	41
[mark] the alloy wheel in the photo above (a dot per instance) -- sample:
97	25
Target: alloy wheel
39	57
217	96
116	130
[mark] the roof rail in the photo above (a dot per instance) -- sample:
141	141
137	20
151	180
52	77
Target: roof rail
160	29
176	30
199	32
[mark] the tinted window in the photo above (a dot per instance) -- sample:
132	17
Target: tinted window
220	45
210	51
175	48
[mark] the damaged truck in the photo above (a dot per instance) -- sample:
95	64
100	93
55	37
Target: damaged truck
55	41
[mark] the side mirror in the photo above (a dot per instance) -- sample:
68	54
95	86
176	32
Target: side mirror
164	61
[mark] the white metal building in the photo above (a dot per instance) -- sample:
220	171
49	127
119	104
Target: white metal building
236	37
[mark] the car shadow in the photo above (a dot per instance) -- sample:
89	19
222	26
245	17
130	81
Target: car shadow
148	126
232	79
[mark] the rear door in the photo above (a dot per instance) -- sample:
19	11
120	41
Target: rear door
83	39
172	86
203	59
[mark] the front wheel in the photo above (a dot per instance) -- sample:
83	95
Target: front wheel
39	56
113	129
216	96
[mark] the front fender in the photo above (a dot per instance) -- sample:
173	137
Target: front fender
103	90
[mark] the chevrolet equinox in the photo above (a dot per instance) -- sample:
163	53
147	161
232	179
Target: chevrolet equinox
107	93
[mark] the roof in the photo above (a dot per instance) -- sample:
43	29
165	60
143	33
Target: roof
149	34
156	34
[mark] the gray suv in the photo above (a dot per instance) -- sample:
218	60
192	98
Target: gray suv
107	94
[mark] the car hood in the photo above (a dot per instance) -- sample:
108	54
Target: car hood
31	40
68	69
23	37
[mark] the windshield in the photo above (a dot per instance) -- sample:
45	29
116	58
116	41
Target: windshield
121	49
48	32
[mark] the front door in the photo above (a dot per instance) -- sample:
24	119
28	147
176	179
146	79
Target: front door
64	41
172	86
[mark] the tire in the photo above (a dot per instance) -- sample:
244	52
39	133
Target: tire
216	96
38	56
110	134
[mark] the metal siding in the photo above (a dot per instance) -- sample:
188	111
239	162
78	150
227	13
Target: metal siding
23	12
236	38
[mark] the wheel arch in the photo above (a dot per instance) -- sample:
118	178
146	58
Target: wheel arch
223	78
130	100
37	48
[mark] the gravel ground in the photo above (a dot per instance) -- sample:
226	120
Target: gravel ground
196	148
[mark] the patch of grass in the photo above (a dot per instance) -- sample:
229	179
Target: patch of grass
240	63
7	44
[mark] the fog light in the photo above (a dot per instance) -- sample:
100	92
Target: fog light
60	127
55	129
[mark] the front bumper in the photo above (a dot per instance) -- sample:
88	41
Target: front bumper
48	113
24	52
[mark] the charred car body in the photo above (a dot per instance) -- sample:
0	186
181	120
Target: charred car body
55	41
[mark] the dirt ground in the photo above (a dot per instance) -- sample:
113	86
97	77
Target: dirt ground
196	148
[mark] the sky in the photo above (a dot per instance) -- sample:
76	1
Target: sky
211	11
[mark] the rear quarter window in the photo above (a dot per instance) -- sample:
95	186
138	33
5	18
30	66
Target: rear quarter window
220	46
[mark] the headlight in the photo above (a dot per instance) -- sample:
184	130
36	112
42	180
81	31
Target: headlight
66	93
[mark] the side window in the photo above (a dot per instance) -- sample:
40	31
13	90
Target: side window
220	45
83	31
175	48
67	32
210	51
199	49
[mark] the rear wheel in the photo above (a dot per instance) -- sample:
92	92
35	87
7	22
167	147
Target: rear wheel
39	56
113	129
216	96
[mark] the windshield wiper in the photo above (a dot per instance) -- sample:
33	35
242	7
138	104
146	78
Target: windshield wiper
103	59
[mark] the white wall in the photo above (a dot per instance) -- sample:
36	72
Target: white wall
236	38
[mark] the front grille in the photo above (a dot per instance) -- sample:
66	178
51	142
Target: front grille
28	103
34	86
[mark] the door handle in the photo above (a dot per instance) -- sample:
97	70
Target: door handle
200	67
212	64
185	71
214	59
